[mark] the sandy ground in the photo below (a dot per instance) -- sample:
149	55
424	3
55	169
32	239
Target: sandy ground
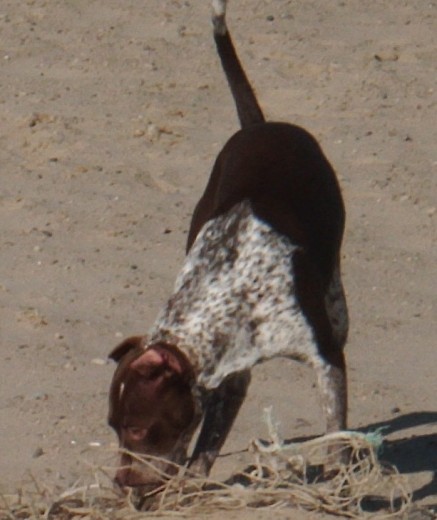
111	115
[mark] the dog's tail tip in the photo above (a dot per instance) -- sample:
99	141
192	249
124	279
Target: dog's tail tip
219	16
219	7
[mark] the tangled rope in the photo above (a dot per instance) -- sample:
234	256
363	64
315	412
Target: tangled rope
299	474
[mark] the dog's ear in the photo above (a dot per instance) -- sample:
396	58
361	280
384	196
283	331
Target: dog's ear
126	346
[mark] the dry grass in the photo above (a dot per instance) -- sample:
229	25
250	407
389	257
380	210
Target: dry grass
282	475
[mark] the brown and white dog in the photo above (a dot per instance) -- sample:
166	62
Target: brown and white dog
261	279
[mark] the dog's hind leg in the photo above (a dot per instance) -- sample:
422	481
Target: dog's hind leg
332	384
332	372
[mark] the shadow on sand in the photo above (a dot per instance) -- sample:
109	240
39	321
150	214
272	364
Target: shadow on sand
413	453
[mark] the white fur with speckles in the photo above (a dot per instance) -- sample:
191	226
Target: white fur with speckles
234	303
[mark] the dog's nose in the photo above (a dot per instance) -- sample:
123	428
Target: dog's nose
128	477
121	478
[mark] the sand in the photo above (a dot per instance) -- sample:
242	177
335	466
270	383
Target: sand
111	116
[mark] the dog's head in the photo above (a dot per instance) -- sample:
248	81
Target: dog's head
151	407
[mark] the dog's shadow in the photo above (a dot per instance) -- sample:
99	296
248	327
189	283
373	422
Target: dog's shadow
410	454
413	453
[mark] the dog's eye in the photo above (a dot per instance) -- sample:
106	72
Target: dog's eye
136	433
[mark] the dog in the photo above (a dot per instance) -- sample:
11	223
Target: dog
261	279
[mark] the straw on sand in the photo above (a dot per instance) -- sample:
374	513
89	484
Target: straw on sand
281	475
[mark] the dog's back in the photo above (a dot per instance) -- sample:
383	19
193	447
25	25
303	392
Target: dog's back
279	167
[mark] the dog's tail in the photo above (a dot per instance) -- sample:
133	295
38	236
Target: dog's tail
248	109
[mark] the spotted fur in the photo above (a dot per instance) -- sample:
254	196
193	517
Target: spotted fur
234	302
335	303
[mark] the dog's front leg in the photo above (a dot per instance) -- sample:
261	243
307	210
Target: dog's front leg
222	407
